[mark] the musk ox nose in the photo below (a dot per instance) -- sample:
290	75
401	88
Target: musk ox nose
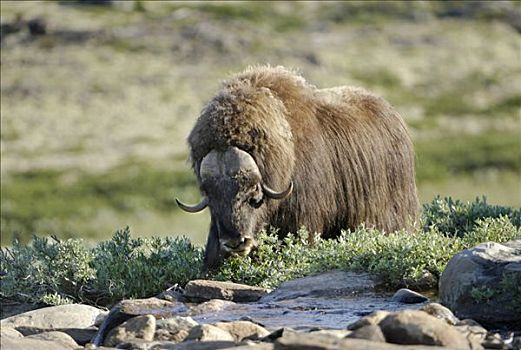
236	244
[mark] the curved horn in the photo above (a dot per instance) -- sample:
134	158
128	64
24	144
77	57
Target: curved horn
193	208
277	195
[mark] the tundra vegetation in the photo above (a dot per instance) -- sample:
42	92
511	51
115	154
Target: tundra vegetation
95	114
54	271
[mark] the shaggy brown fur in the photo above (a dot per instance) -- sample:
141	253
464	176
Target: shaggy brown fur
346	150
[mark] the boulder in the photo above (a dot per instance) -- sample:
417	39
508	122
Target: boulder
407	296
241	330
77	316
8	332
11	343
417	327
81	336
55	337
484	283
198	290
330	284
139	327
208	332
441	312
126	309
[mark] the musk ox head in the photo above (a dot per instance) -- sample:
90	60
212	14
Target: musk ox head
236	194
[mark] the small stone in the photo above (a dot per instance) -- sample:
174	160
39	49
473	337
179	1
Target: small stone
55	337
407	296
441	312
417	327
369	332
241	330
373	318
207	290
208	332
281	332
140	327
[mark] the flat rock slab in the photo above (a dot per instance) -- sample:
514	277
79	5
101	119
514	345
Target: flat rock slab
326	285
62	316
200	290
42	341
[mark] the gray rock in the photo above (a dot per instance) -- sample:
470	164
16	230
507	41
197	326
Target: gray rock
259	346
372	319
55	337
140	327
151	306
281	332
417	327
208	332
441	312
482	283
30	343
207	290
127	309
213	305
81	336
408	296
241	330
174	329
329	284
339	333
78	316
302	341
9	332
369	332
168	345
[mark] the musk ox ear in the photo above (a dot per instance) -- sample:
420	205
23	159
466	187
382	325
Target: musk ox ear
268	192
193	208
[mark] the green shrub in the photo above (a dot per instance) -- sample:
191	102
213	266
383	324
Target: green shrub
57	272
66	271
457	218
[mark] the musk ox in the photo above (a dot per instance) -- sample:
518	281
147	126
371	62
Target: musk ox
271	149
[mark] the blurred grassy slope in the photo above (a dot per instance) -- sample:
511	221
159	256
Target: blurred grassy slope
95	113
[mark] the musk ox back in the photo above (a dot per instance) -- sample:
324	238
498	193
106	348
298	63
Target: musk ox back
271	149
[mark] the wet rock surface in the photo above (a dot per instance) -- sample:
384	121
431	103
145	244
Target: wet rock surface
198	290
308	313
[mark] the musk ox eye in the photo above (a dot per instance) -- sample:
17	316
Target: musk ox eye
256	202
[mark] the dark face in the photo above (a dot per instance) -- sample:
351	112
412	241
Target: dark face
237	206
234	190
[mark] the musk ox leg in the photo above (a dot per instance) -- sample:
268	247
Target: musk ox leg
212	256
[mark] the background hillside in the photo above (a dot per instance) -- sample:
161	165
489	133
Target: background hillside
95	112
